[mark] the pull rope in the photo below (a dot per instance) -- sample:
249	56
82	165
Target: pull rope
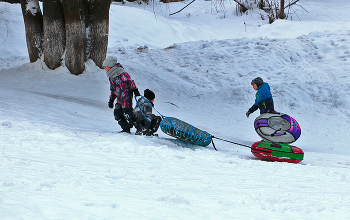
231	142
152	106
275	145
213	143
138	104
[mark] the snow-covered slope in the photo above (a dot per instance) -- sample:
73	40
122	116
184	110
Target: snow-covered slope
62	158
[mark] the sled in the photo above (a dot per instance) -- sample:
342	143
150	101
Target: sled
277	152
277	127
180	129
184	131
264	150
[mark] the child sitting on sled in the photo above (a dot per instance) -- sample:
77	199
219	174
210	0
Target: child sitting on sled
263	97
143	112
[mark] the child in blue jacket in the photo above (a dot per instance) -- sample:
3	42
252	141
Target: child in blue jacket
263	97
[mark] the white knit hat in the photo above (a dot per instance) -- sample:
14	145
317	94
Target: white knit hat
110	62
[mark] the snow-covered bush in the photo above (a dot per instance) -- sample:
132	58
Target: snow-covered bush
273	8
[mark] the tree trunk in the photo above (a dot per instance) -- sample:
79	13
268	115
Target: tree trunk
54	33
75	12
98	26
33	21
261	4
282	10
78	28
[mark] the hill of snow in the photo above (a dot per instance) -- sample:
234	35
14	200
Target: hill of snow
61	156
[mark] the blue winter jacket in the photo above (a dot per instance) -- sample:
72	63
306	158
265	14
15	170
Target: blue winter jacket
263	100
262	93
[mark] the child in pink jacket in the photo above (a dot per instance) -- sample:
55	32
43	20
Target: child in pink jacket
122	89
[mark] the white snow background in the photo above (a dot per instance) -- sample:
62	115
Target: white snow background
61	156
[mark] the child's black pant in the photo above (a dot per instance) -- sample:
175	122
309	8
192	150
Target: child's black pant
153	125
126	118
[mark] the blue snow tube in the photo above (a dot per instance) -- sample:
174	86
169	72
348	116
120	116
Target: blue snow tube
184	131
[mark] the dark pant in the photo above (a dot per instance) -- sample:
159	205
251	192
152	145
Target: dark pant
126	118
266	105
152	126
155	124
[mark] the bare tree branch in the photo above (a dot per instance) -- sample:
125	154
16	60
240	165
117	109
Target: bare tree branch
240	4
290	4
182	8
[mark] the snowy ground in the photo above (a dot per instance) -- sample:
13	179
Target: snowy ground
62	158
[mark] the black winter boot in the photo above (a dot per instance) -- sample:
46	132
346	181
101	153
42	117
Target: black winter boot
139	131
133	121
148	132
126	130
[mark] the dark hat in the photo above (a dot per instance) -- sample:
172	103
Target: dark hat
258	81
149	94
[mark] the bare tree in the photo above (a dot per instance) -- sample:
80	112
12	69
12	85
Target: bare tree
98	26
261	4
33	21
54	33
77	29
282	10
243	8
75	12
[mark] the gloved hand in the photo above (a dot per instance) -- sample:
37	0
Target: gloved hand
248	113
137	93
111	103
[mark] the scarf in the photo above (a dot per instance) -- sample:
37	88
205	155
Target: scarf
115	71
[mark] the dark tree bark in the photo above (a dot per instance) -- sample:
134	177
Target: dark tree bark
75	12
243	8
33	21
76	28
98	26
54	33
282	10
11	1
261	4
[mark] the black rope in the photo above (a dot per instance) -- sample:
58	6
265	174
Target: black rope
213	144
231	142
272	145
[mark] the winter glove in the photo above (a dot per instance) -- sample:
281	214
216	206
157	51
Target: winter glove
136	92
111	103
248	113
